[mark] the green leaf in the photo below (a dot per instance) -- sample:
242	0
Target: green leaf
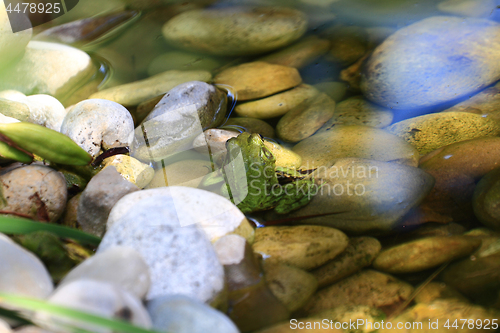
16	225
29	304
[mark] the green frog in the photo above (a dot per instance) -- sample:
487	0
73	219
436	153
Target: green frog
254	183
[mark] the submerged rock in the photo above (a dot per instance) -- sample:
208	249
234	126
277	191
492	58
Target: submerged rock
360	196
48	68
433	61
258	79
235	30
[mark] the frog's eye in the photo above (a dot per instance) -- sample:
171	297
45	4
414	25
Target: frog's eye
267	153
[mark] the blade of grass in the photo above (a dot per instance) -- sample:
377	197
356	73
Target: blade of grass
16	225
29	304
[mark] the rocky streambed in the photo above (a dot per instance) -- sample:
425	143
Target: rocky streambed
250	167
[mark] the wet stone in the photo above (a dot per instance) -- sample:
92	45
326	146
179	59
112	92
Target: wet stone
485	103
486	199
348	44
235	30
277	105
306	247
357	195
424	253
134	93
359	253
438	291
368	287
34	73
34	190
456	170
258	79
336	90
101	194
323	149
251	301
252	125
183	60
291	285
304	120
430	132
134	171
284	157
477	276
358	111
178	118
21	272
299	54
433	61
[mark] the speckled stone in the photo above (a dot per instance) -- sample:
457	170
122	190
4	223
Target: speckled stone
102	192
430	132
368	287
358	111
214	214
181	259
96	123
305	247
359	253
35	190
424	253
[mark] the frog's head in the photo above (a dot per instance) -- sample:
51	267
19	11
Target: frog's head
252	149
